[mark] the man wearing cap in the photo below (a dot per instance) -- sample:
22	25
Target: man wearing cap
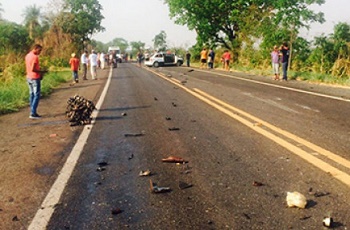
74	65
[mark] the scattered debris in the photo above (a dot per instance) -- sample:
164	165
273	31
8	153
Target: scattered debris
257	124
53	135
183	82
184	185
257	184
156	189
167	118
320	194
100	169
124	114
15	218
79	110
191	70
116	211
102	163
246	216
173	129
145	173
173	159
131	156
133	134
156	99
328	222
296	199
305	218
174	104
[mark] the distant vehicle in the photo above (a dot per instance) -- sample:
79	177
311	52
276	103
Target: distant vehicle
163	59
116	51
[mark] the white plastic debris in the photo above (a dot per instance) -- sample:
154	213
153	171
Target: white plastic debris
296	199
328	222
145	173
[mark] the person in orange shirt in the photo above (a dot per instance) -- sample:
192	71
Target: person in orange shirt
204	57
34	77
74	65
226	58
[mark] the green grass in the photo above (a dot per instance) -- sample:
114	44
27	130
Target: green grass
14	94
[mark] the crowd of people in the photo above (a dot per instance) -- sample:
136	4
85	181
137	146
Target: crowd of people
279	58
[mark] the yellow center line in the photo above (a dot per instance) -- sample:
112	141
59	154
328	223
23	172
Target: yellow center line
231	112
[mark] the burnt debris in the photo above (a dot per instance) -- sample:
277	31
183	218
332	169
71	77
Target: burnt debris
79	110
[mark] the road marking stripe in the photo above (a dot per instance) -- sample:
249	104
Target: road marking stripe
320	150
278	86
336	173
43	215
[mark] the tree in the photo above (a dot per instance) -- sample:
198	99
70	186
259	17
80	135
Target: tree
82	19
137	46
13	38
227	21
32	17
1	10
159	41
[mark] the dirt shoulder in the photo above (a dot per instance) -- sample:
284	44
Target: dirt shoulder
32	152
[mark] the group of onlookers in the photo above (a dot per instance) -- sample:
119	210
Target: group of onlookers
279	56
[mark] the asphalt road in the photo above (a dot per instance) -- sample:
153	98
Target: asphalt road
248	141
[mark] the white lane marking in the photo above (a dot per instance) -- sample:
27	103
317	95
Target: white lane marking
279	86
43	215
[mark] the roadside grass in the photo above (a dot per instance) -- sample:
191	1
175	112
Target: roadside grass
14	94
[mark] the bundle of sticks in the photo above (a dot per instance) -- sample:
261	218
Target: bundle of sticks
79	110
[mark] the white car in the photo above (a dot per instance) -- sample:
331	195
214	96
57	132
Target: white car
163	59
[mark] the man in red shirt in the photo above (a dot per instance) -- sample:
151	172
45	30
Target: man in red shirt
34	77
74	65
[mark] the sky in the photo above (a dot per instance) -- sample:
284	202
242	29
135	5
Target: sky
142	20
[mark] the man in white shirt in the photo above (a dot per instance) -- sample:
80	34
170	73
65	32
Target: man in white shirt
93	64
102	60
84	60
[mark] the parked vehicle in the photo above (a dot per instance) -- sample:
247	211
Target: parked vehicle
163	59
115	50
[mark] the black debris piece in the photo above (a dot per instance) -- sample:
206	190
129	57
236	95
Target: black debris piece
174	104
79	110
173	129
133	134
131	156
191	70
15	218
184	185
156	189
116	211
100	169
102	163
167	118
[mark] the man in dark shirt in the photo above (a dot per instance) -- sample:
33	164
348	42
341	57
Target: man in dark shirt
285	58
188	58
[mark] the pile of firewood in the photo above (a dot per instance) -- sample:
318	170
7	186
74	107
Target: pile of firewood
79	110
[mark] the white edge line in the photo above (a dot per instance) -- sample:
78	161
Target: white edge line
279	86
43	215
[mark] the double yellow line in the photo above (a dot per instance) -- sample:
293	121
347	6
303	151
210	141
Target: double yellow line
275	134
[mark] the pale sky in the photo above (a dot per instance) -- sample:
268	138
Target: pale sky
141	20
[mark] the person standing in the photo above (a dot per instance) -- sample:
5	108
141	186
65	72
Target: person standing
285	59
204	57
74	65
102	60
226	58
188	58
84	62
275	62
93	64
211	58
139	58
34	77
